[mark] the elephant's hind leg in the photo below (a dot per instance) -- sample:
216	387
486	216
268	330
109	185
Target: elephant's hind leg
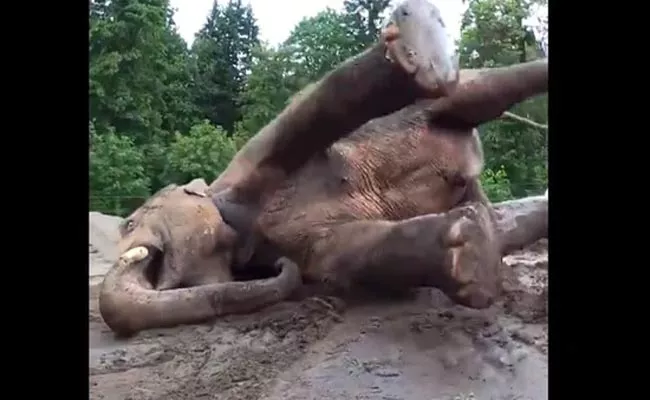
456	252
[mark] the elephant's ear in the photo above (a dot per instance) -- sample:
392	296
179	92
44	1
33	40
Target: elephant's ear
197	187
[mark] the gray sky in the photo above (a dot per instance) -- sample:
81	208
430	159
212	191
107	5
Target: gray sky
276	18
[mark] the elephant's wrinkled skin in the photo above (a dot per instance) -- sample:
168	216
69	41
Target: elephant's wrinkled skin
397	203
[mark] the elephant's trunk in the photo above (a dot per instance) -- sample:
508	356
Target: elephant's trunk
127	306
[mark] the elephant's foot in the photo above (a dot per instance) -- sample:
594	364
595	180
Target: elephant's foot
416	39
471	257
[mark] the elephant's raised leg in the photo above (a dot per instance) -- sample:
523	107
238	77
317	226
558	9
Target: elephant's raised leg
458	252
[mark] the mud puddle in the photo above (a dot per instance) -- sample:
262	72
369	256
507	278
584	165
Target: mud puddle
418	347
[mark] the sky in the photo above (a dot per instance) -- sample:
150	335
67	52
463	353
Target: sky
276	18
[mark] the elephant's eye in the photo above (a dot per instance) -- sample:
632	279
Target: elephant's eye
129	226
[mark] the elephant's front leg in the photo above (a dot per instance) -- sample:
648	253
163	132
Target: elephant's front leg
458	252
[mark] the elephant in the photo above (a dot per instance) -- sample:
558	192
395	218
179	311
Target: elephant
368	177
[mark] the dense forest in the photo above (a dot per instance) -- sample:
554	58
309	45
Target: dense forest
162	111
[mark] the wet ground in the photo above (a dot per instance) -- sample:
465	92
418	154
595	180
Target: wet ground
418	347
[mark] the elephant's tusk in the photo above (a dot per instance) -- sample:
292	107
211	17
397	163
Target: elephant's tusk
133	255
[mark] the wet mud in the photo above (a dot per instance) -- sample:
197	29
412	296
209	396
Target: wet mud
419	346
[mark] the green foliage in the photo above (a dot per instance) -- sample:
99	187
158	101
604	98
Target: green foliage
138	64
314	47
205	152
519	149
161	112
496	184
494	34
364	19
157	167
117	177
222	55
270	84
146	84
320	43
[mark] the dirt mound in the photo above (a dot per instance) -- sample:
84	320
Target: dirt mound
417	347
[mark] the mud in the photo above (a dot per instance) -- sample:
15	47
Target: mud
419	346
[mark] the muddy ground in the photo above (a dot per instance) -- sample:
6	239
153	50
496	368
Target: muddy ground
418	347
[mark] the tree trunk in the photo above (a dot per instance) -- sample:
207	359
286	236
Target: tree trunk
521	222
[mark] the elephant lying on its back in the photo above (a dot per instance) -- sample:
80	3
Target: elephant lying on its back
397	203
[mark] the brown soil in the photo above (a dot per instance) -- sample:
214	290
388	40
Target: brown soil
418	347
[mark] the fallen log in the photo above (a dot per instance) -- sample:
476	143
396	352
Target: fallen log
521	222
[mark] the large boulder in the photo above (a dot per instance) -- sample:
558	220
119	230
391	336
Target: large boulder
103	235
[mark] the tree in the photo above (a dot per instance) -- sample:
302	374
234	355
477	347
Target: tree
221	60
138	76
365	18
316	45
494	34
320	43
271	83
151	95
117	178
204	152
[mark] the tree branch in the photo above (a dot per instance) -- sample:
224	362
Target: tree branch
526	121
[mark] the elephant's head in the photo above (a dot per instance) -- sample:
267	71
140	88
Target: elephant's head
183	236
174	266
